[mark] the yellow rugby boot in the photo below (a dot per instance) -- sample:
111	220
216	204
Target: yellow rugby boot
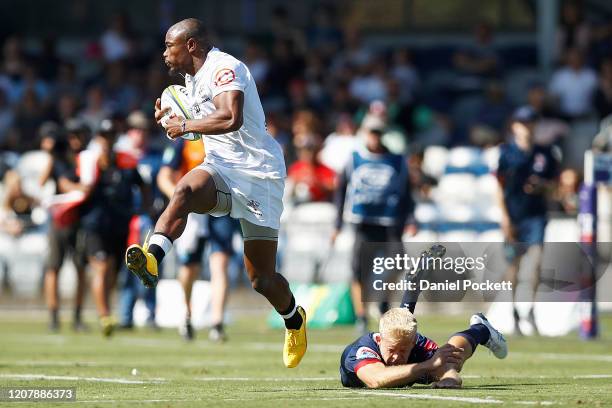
142	263
295	343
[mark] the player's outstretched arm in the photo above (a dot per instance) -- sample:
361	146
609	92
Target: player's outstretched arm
226	118
378	375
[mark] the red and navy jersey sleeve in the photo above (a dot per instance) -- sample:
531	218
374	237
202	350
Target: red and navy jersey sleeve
362	352
423	350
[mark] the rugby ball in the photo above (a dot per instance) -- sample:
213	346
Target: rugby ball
177	99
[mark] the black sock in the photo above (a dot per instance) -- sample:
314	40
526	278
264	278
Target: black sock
476	334
159	244
157	252
54	316
77	314
292	321
218	326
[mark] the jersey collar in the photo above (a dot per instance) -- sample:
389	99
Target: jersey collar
189	78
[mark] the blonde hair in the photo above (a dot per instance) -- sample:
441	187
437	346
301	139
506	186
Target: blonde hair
398	323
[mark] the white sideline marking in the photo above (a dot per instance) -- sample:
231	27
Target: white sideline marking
472	400
323	348
591	376
75	378
564	356
267	379
151	401
139	364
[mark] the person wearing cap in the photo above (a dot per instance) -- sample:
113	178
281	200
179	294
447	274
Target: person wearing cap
526	172
106	214
380	211
63	238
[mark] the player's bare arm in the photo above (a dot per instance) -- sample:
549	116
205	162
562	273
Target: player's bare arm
226	118
378	375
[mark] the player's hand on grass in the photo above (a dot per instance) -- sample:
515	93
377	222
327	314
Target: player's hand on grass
159	112
447	354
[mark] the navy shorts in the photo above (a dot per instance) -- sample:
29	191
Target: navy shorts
221	232
529	232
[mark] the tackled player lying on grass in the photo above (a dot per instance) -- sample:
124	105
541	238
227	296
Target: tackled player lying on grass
398	355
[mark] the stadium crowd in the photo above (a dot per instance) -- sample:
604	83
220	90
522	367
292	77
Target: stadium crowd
323	89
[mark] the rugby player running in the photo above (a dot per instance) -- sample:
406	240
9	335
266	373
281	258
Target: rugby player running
243	173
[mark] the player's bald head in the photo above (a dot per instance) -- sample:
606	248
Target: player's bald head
190	28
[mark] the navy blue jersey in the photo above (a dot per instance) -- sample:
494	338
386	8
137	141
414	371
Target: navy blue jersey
365	350
516	170
374	189
111	204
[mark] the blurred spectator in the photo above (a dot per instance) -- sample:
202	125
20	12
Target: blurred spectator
370	82
116	41
323	34
573	31
95	109
491	117
480	59
603	94
118	90
565	196
421	183
67	107
67	81
526	173
406	75
15	206
276	130
305	123
255	58
287	65
354	53
30	115
374	195
540	100
307	179
13	60
155	83
48	62
105	218
284	29
63	238
138	142
430	127
6	119
179	158
340	144
342	100
574	85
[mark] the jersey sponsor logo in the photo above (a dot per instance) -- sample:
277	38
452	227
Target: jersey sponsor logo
224	76
366	353
253	206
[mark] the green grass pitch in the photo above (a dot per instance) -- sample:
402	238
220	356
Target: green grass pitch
248	372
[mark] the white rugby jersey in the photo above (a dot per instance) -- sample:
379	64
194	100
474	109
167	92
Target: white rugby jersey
250	149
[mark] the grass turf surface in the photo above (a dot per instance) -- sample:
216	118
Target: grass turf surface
248	372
